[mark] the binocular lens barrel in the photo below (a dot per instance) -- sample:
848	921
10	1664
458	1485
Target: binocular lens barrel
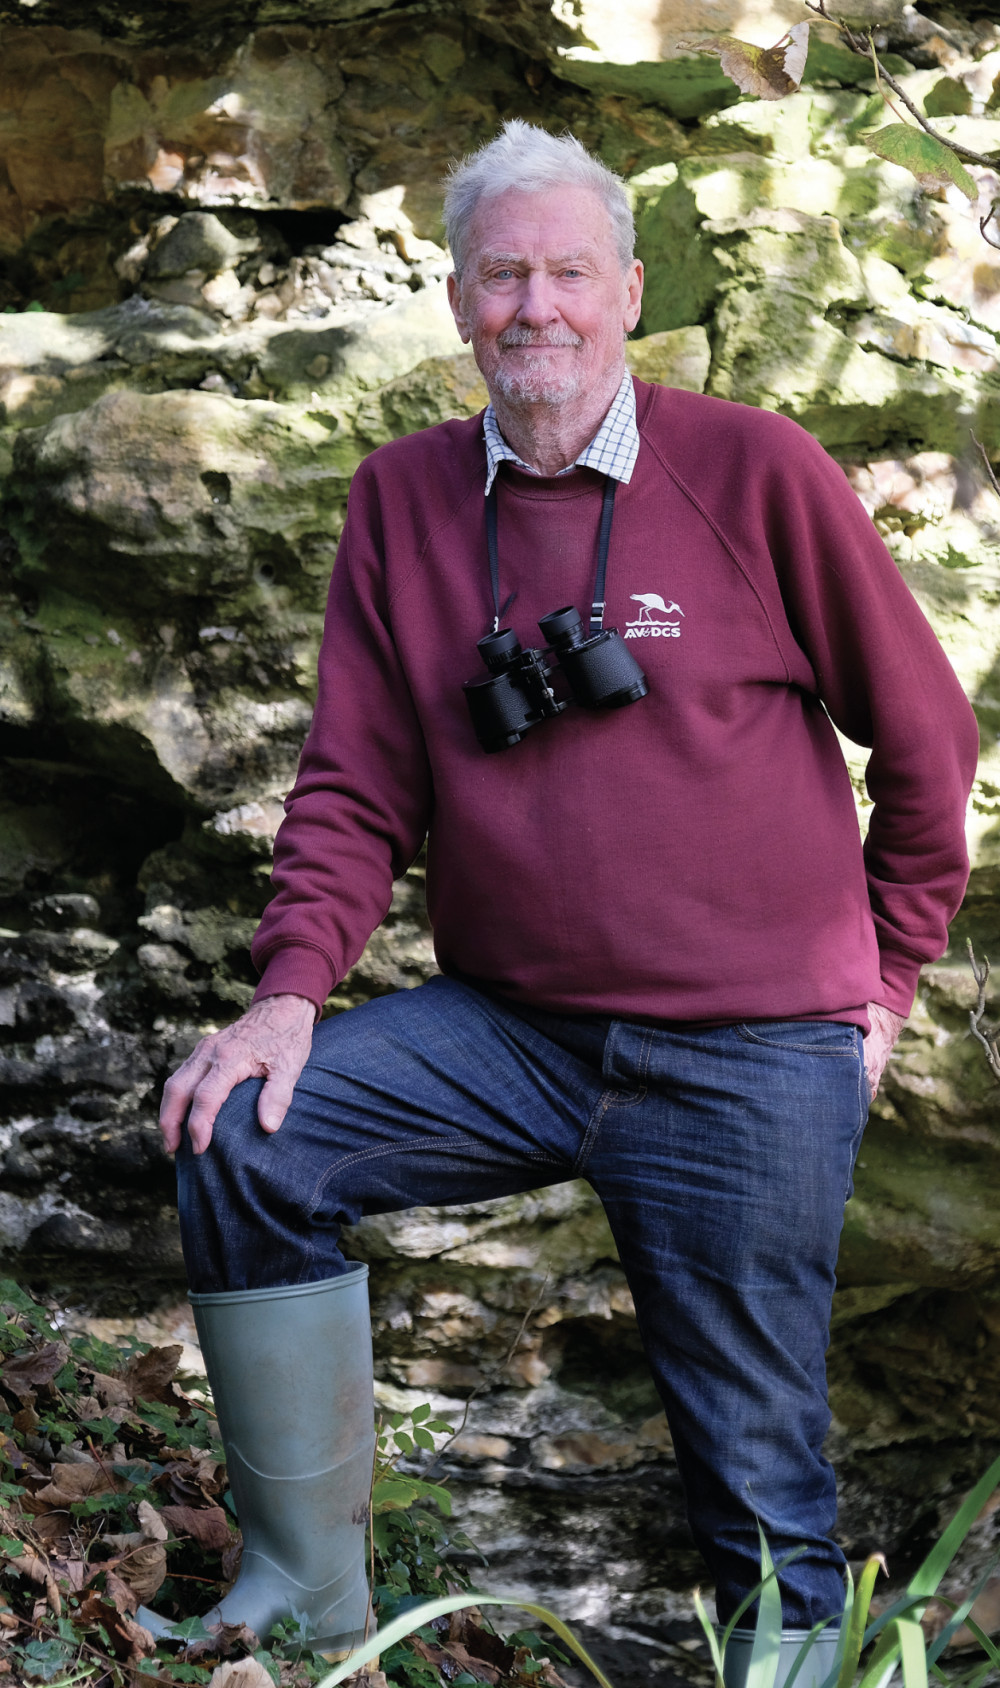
499	649
516	693
562	629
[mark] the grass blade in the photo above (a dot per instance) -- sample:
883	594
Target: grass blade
884	1659
927	1576
913	1654
766	1649
958	1615
748	1600
417	1616
710	1635
856	1619
803	1654
989	1647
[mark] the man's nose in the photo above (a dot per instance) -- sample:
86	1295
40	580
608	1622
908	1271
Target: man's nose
537	305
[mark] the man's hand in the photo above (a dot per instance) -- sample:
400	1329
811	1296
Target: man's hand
271	1041
886	1027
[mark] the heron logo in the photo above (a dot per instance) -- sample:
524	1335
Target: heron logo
649	624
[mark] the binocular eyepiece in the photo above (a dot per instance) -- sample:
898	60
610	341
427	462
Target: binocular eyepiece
518	692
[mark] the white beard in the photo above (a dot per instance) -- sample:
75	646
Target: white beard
539	385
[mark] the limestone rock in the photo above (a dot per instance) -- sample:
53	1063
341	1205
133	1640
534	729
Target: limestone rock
234	227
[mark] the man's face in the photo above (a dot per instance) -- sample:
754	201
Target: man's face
543	297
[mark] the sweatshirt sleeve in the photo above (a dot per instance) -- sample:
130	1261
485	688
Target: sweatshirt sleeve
886	684
358	812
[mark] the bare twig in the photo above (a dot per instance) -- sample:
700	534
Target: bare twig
866	50
995	484
494	1373
370	1610
984	223
988	1041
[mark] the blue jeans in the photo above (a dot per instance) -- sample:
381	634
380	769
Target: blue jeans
723	1158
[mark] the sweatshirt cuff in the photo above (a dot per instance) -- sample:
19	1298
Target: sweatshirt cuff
297	970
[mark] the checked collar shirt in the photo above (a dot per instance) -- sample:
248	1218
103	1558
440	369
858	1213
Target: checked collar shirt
612	451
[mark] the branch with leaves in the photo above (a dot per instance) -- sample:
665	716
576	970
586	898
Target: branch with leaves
769	73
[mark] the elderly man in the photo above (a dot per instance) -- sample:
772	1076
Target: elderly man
667	967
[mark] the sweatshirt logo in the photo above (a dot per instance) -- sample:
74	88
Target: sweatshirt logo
649	624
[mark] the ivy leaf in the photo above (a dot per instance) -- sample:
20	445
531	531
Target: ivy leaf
933	164
769	73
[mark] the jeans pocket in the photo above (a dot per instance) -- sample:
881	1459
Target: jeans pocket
810	1037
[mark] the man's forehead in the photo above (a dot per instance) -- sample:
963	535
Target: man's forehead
489	254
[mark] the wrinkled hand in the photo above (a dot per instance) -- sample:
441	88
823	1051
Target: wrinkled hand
886	1027
271	1041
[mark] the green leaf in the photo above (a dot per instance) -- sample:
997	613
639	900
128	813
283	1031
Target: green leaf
913	1654
420	1413
925	1579
423	1438
766	1650
46	1659
403	1441
927	158
190	1629
11	1546
412	1620
854	1629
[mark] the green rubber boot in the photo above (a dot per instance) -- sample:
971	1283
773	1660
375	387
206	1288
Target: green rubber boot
291	1376
816	1666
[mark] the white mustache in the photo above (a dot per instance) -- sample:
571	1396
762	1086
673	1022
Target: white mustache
541	337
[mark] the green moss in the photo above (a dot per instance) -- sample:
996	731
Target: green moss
686	88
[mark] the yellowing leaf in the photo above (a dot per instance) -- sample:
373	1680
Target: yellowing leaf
933	164
769	73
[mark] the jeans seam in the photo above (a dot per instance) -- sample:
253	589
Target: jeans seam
590	1135
795	1048
488	1153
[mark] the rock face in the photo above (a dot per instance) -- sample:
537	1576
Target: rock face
223	287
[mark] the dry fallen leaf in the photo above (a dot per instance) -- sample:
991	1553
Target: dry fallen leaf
151	1522
26	1372
769	73
111	1391
207	1524
149	1376
75	1482
38	1571
240	1673
143	1563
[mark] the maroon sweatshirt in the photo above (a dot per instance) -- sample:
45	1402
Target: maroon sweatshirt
694	856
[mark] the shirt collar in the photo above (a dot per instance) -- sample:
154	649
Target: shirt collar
612	451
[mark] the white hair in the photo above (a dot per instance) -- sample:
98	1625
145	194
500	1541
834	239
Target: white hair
530	159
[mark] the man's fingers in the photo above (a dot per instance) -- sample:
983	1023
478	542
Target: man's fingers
275	1098
178	1093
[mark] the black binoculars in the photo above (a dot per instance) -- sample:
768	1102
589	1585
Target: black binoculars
518	691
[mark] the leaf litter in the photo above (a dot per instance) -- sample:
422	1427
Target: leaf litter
113	1494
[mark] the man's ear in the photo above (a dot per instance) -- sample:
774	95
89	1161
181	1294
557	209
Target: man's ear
455	301
633	295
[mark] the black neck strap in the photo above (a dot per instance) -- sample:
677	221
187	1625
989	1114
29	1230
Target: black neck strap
603	547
